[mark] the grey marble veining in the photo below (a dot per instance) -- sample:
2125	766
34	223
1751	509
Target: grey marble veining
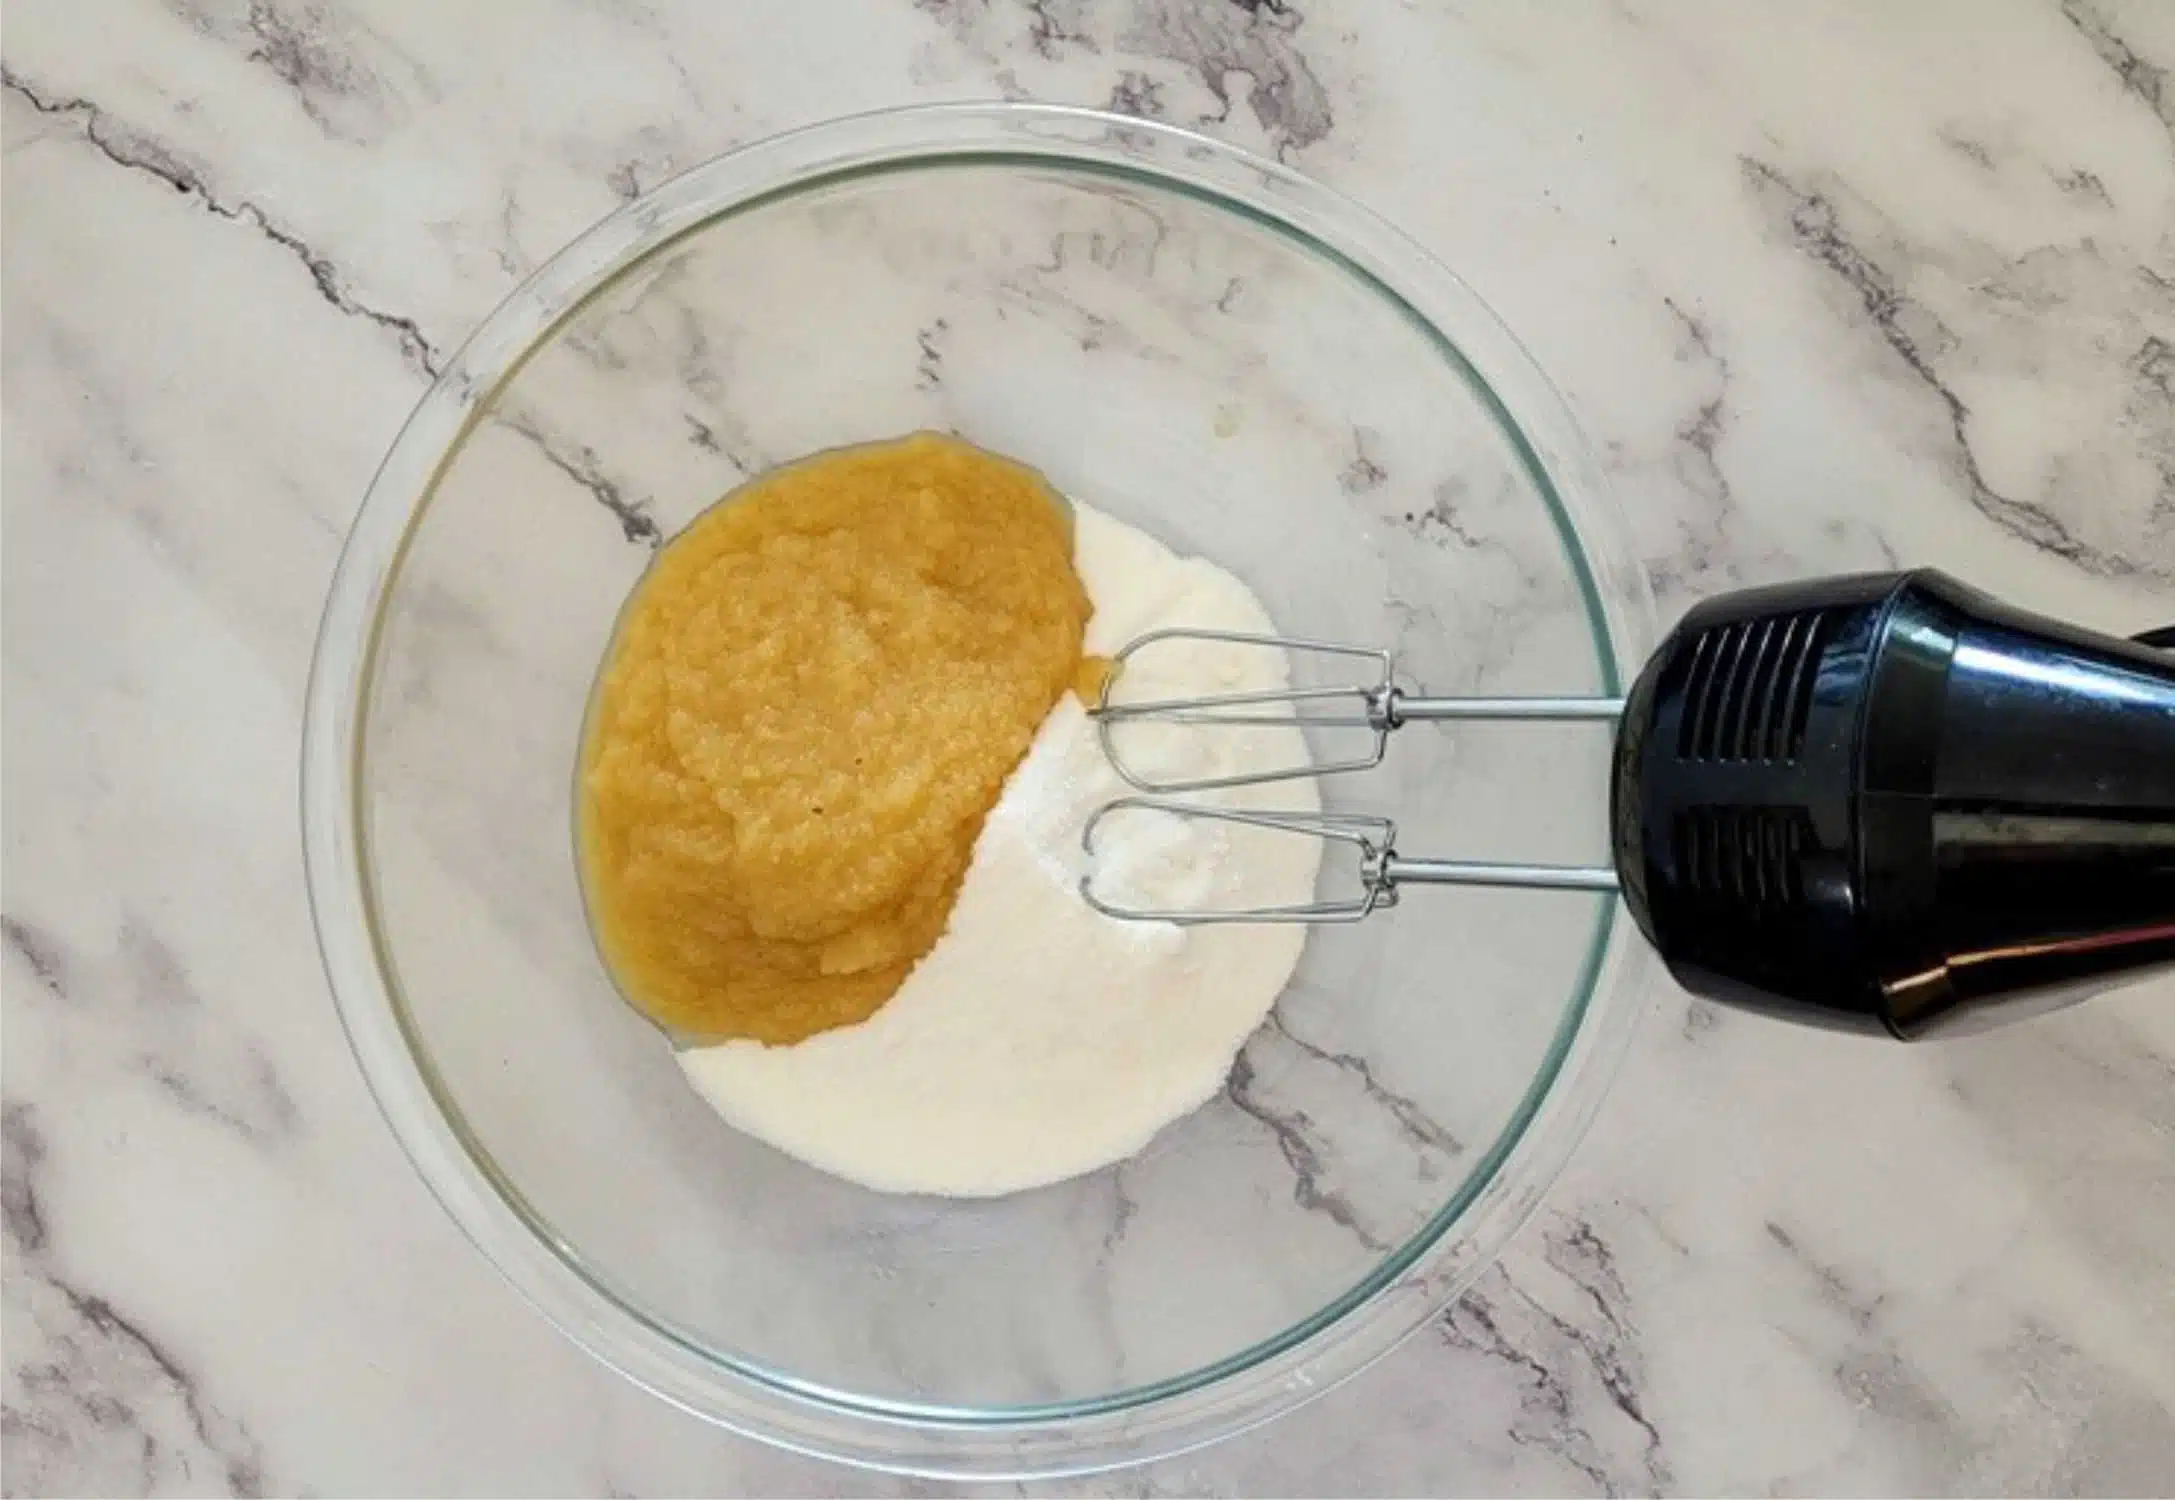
1830	286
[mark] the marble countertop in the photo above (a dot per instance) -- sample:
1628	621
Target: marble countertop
1831	285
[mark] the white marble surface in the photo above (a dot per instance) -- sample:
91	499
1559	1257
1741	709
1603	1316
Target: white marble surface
1831	285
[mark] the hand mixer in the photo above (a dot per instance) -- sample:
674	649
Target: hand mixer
1883	802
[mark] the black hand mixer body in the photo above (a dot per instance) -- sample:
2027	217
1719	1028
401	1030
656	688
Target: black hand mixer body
1890	802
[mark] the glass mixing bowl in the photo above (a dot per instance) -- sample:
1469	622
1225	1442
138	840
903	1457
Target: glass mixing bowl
1200	342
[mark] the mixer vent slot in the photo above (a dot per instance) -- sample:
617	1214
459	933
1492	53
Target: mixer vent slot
1745	858
1750	688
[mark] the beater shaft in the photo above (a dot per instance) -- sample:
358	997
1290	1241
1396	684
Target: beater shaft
1406	709
1397	870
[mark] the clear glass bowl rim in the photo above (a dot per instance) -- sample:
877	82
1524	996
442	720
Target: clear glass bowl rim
1415	1280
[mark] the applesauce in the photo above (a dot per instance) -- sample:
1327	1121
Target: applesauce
812	700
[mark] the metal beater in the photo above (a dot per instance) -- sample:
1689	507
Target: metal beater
1377	705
